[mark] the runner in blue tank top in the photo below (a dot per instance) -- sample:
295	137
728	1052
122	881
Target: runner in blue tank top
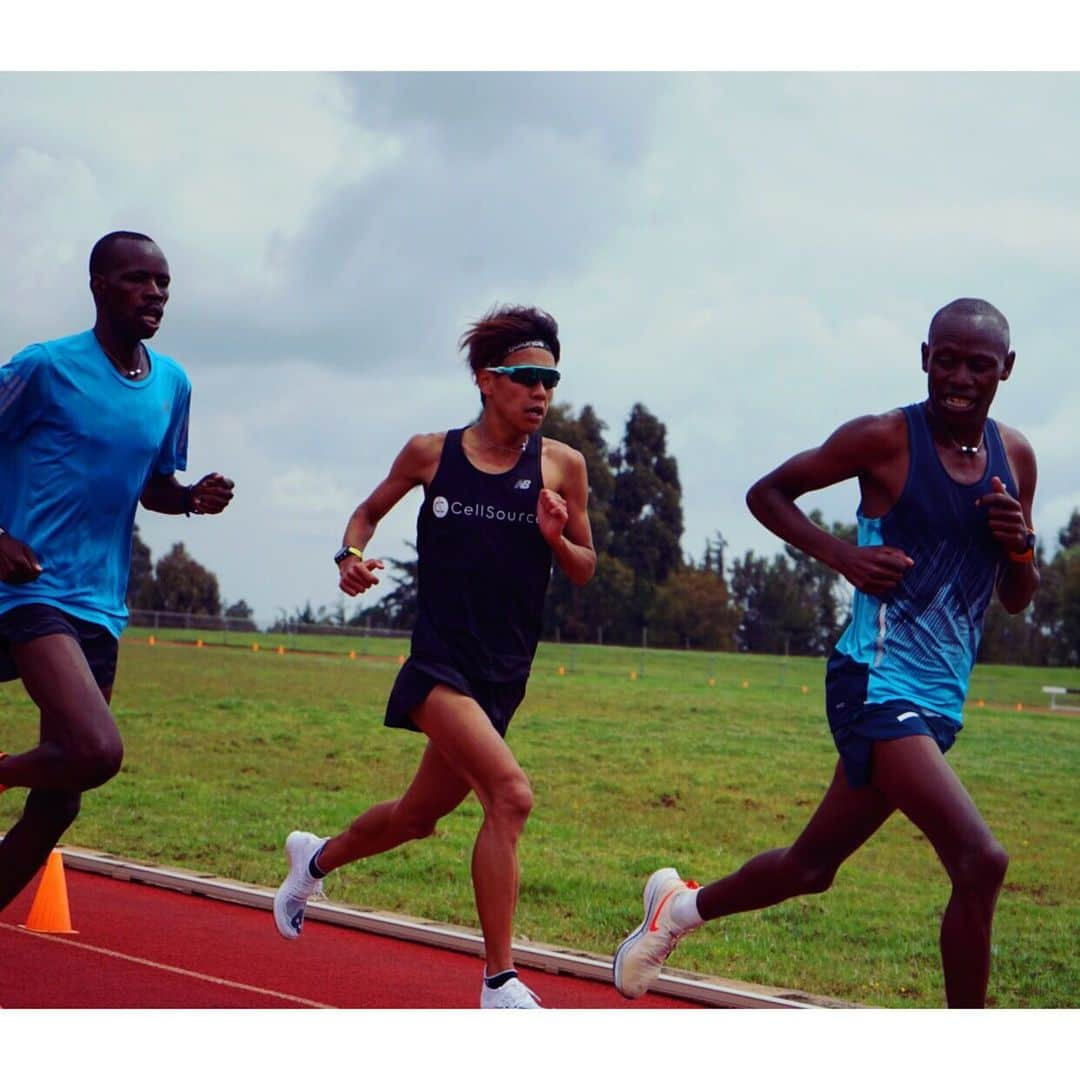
90	426
501	502
944	519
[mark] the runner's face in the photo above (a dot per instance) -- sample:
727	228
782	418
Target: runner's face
964	362
524	406
132	292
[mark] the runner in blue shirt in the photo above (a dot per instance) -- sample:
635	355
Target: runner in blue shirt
944	519
90	426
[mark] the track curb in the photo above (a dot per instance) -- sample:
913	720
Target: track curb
688	986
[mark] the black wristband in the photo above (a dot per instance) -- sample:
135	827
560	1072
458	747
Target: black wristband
189	501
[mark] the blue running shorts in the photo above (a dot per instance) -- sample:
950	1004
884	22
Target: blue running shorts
857	724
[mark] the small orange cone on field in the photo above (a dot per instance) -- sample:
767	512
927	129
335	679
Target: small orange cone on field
352	654
151	640
746	684
254	646
198	643
981	703
1019	706
633	674
401	659
49	912
562	669
281	650
805	689
712	682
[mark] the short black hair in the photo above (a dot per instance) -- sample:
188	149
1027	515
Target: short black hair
100	252
971	308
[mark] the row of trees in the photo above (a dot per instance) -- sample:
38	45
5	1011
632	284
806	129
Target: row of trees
647	590
176	582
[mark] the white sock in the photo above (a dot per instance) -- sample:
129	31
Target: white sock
684	912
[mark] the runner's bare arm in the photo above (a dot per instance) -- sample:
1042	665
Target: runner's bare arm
414	465
562	512
1009	521
868	448
18	561
164	494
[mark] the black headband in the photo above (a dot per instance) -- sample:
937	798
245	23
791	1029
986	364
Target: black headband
528	345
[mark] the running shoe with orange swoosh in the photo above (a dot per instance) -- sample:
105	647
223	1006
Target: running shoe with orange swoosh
640	957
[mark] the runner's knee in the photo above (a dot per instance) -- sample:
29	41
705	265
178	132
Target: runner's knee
511	801
97	760
981	867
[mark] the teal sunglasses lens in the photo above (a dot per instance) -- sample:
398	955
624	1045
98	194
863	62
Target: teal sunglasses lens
531	374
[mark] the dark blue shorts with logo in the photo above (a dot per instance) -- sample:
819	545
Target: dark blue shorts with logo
417	678
27	622
857	724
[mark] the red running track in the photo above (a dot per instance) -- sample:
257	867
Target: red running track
142	947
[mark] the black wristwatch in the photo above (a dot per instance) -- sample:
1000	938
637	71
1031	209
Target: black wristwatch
1028	554
345	552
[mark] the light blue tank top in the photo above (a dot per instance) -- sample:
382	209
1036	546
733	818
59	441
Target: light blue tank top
919	644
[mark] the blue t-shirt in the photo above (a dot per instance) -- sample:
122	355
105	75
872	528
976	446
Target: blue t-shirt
919	643
78	442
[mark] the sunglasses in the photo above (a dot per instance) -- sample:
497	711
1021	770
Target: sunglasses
530	374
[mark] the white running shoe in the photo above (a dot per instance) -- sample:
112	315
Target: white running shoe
640	957
299	886
513	994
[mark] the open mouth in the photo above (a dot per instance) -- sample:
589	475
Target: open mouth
957	404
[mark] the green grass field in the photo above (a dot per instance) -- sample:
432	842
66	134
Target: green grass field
637	759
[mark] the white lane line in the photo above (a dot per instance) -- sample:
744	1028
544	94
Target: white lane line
168	967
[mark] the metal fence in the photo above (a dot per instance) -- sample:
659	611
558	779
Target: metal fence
186	620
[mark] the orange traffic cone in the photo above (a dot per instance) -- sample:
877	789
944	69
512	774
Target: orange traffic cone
49	912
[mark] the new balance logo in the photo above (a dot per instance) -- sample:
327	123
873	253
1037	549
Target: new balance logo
522	485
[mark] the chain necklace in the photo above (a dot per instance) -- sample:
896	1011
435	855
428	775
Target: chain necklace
495	446
121	366
969	451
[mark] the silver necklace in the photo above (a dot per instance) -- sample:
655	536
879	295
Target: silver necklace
970	451
123	368
967	451
504	449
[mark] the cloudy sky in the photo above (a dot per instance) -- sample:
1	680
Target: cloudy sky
755	257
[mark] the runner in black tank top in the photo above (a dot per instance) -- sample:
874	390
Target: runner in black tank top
481	527
501	503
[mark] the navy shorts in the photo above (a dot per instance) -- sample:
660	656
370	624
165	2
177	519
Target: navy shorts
417	679
857	724
30	621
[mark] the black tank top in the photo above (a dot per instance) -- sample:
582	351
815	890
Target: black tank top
484	567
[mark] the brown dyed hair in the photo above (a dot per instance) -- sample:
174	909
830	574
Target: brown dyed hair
488	340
